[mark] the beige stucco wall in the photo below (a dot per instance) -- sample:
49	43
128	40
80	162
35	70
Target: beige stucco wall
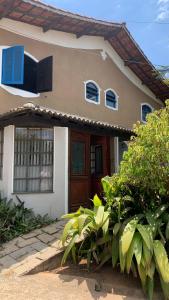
72	67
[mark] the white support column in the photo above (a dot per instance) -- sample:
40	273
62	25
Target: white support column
60	178
116	153
8	161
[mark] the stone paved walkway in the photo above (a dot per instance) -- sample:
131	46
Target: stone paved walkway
27	251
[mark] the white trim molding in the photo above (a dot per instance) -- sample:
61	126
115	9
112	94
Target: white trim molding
147	104
117	99
99	90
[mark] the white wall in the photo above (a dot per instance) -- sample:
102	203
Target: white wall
56	203
8	162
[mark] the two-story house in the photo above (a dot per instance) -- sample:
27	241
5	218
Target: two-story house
71	88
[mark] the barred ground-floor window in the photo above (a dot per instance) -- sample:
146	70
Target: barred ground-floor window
33	160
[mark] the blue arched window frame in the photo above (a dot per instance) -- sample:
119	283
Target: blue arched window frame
149	109
97	93
107	101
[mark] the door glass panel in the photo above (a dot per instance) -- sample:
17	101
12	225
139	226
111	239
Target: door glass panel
99	160
78	158
96	160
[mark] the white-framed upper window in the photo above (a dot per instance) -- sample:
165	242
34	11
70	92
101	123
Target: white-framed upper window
111	99
92	92
145	110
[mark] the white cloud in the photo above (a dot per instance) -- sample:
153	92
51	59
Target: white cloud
163	15
163	10
163	1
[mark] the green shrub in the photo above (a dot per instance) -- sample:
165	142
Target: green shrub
146	163
15	220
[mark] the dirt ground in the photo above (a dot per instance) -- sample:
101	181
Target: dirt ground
44	286
73	282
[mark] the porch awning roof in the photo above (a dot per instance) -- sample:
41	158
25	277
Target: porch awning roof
34	115
36	13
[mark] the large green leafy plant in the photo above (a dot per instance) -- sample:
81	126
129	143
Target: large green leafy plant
135	244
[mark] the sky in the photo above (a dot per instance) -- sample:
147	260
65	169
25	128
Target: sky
146	20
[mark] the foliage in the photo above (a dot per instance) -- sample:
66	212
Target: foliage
145	167
15	220
136	244
83	224
130	228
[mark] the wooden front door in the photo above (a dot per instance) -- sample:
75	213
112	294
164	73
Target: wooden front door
79	190
100	162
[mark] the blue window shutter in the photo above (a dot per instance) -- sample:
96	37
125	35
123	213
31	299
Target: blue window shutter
13	65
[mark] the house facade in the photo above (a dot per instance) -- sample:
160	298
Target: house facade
71	88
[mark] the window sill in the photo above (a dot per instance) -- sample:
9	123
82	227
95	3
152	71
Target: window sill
32	193
92	101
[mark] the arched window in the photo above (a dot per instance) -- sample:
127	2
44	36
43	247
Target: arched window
145	110
111	99
92	92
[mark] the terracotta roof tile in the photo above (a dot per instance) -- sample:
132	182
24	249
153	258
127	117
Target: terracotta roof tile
55	113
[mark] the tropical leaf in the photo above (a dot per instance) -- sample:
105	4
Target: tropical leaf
150	287
138	247
99	216
72	215
127	235
147	254
96	201
160	210
151	269
73	250
143	276
66	231
129	256
122	257
105	225
115	250
116	228
161	259
152	222
69	248
88	211
145	233
81	222
165	288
